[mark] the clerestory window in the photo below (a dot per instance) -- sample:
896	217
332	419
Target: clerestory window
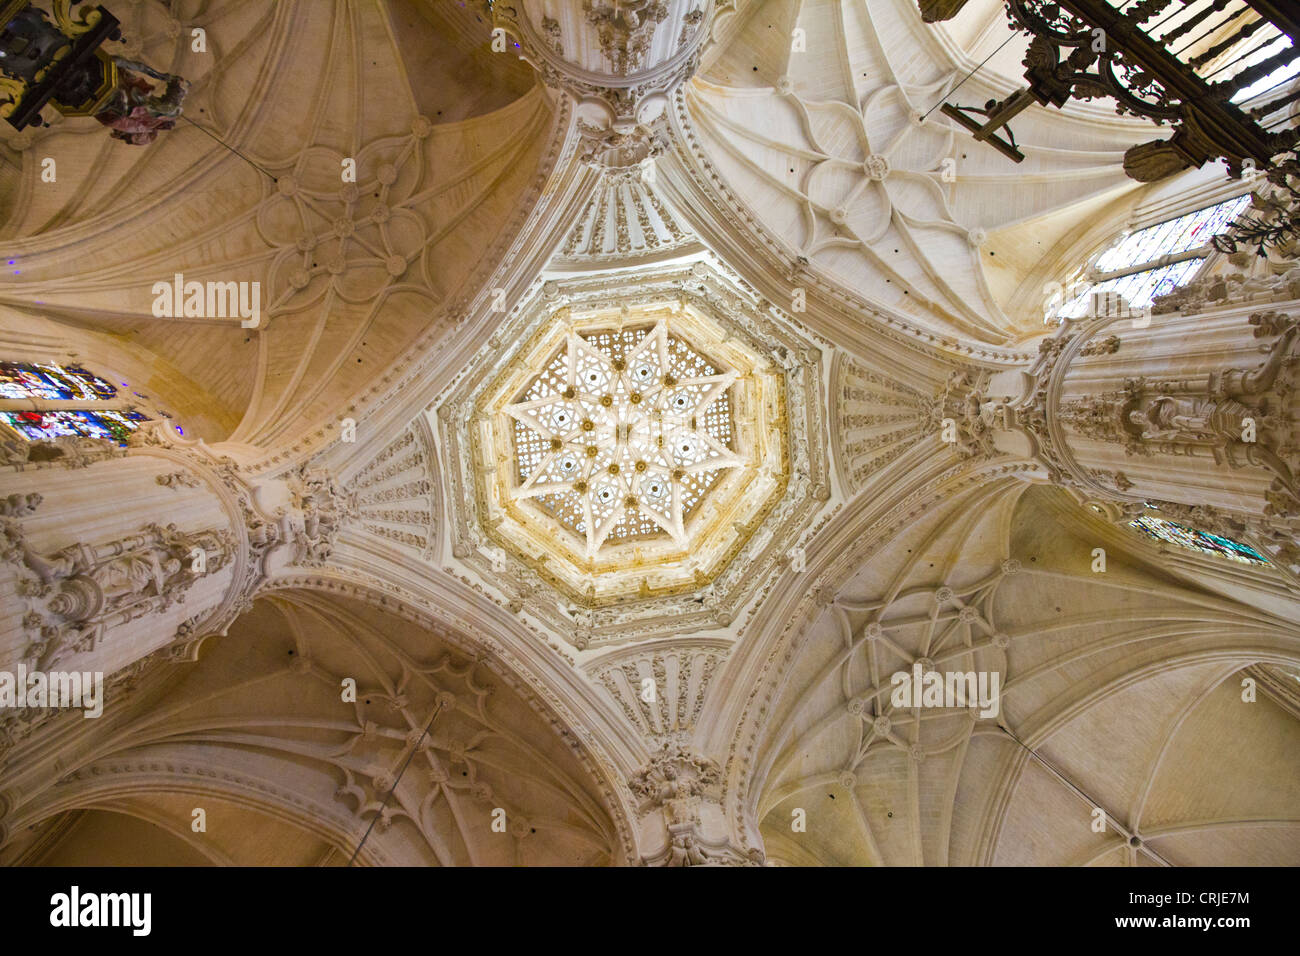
40	401
1152	261
1194	539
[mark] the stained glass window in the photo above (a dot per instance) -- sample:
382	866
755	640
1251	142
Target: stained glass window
1127	268
1139	289
42	426
48	381
1172	236
1197	540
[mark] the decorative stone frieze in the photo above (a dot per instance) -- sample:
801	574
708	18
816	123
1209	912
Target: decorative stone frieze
877	419
677	676
76	595
625	218
1132	410
109	597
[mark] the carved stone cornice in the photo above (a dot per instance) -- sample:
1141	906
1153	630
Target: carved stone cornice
77	595
620	62
314	507
66	451
1232	287
128	590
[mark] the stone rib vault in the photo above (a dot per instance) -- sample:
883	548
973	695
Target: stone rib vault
657	392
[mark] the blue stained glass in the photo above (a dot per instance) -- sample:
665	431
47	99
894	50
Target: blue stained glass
1196	540
47	381
43	426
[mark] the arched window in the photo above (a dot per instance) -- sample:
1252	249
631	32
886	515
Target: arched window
41	400
1152	261
1171	532
20	380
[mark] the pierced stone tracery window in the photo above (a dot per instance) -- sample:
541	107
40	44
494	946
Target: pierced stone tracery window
1153	261
623	433
40	401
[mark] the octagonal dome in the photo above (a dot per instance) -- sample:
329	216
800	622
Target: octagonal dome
623	435
642	443
627	447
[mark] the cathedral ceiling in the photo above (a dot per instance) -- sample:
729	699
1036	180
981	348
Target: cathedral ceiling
288	756
503	206
352	273
697	556
838	152
1127	691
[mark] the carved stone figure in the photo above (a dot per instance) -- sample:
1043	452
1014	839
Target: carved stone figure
1153	161
686	852
74	595
19	506
1169	418
321	507
625	29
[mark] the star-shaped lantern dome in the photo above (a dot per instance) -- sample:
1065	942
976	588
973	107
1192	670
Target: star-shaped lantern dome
624	433
625	448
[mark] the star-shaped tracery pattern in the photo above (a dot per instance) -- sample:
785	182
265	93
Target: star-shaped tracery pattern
623	434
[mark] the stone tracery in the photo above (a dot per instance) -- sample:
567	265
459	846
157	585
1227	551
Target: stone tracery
622	427
759	404
674	680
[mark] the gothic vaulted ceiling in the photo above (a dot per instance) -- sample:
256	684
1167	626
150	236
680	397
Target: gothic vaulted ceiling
353	273
647	320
